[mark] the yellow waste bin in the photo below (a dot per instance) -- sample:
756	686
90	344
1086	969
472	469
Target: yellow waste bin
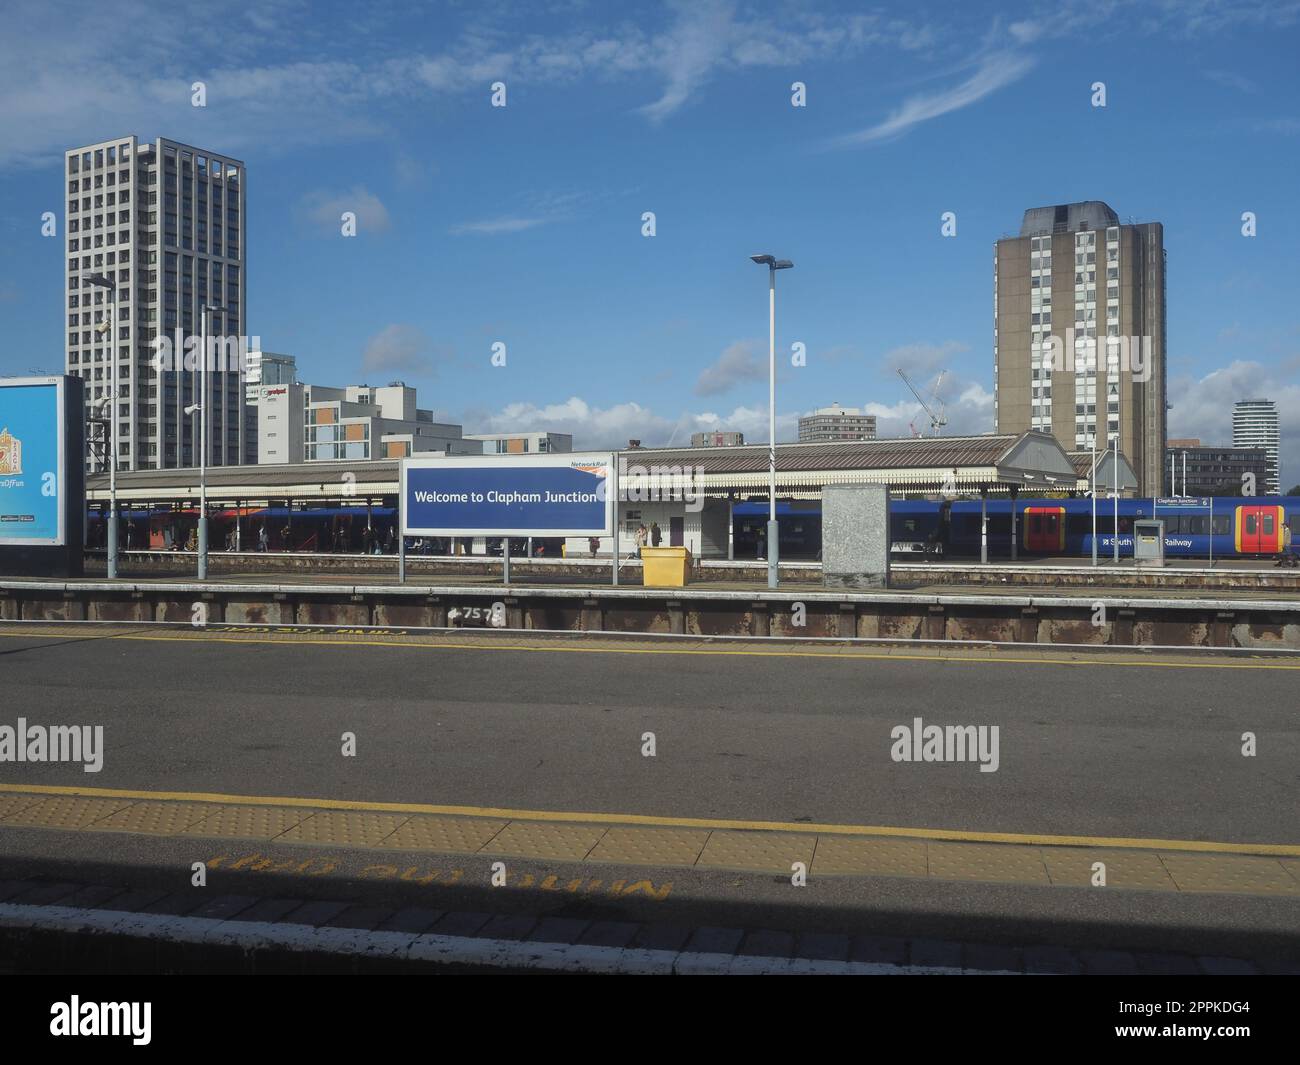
665	567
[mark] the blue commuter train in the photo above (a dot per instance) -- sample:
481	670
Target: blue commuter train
1218	527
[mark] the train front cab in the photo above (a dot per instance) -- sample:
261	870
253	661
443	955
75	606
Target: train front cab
1257	529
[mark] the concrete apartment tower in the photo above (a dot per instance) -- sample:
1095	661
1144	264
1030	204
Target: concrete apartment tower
1255	424
1074	278
165	223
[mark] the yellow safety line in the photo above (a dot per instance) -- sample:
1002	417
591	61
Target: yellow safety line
774	653
1033	839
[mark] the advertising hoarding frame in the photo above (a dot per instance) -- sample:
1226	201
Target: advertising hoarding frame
560	460
60	501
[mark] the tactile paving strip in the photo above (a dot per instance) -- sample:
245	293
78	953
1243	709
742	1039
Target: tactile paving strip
155	818
450	835
827	854
650	846
66	811
248	822
1073	867
1230	872
11	804
760	852
986	861
345	827
856	856
546	839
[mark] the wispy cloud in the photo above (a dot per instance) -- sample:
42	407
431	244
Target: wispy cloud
995	71
494	226
689	52
738	363
1286	126
326	210
1231	80
399	347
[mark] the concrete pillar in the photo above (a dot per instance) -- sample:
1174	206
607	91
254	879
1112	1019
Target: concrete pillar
1014	539
984	524
846	624
855	536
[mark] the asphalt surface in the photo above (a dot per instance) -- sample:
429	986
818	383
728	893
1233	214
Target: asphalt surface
1098	746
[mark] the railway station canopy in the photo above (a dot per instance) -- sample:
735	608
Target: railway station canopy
1105	472
1032	461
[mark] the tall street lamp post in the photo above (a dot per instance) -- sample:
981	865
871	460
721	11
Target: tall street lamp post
100	281
773	264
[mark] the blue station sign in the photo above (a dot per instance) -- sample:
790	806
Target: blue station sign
542	495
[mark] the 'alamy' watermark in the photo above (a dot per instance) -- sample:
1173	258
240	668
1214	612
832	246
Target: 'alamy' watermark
102	1018
53	743
1131	354
661	483
224	354
946	743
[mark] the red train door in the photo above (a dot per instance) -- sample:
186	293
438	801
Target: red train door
1259	530
1045	529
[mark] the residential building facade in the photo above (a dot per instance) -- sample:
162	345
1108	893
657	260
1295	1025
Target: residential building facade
1079	333
1255	424
539	443
164	224
836	423
718	438
316	423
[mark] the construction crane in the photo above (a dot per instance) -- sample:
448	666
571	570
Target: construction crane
937	419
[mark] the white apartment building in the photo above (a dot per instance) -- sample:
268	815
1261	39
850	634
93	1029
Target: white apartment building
315	423
1255	424
523	443
163	225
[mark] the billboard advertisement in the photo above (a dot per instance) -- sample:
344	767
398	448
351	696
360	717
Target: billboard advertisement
32	462
545	495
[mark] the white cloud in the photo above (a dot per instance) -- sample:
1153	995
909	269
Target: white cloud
493	226
399	347
994	72
326	209
738	363
1202	407
613	426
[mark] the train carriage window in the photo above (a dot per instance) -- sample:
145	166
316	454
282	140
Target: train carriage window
1268	524
1222	524
1174	525
1125	523
1196	524
1250	524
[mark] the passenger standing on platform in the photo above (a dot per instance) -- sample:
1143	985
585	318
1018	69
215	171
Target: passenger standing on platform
593	545
1287	558
655	535
641	535
263	541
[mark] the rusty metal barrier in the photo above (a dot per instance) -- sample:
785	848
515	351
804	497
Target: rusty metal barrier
1257	625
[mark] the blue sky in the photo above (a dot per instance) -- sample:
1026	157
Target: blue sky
523	224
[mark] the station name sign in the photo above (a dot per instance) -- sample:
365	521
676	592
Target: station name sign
541	495
1180	502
